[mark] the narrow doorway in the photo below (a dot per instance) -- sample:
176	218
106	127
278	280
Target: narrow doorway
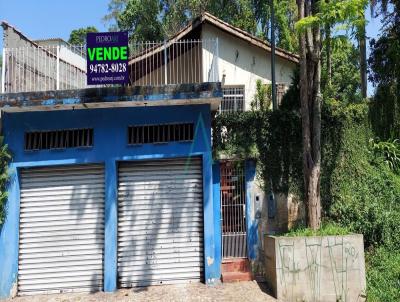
233	210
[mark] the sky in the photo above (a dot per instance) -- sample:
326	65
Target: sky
57	18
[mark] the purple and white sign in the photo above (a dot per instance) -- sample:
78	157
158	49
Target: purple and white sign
107	58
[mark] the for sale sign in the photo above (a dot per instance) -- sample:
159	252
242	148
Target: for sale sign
107	58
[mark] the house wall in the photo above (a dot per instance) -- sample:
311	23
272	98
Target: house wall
110	147
186	62
240	63
30	68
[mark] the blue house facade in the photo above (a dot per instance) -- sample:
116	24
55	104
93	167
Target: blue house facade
80	160
113	187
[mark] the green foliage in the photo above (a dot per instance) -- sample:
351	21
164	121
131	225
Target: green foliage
383	275
358	190
328	228
78	36
390	151
384	112
115	8
159	19
347	14
345	82
384	63
263	96
274	138
285	19
141	19
4	160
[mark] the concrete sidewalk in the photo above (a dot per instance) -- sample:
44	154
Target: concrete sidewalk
197	292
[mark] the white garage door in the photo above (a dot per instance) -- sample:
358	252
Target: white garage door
160	224
61	229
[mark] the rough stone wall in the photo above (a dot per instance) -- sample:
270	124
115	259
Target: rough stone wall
316	269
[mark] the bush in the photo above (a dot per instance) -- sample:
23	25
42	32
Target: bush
383	275
359	191
4	159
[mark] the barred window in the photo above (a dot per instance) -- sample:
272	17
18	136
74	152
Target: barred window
58	139
150	134
232	100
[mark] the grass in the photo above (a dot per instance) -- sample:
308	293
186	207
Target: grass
327	229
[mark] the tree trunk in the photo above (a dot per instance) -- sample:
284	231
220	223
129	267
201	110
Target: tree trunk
363	60
310	98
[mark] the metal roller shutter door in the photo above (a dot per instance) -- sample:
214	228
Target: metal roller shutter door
61	229
160	223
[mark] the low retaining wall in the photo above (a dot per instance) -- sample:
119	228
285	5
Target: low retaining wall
328	268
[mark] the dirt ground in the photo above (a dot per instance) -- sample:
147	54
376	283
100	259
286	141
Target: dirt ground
196	292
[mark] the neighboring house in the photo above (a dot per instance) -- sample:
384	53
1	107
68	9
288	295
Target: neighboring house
116	186
237	60
40	65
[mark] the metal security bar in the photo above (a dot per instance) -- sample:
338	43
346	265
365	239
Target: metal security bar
58	139
184	61
153	134
42	68
233	210
232	100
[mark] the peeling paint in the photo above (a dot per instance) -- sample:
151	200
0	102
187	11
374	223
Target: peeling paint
14	290
210	261
112	95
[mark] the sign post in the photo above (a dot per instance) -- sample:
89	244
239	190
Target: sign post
107	58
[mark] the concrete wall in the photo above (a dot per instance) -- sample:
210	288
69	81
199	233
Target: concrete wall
241	63
110	147
316	269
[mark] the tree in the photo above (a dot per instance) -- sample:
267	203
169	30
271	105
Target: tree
341	80
159	19
314	15
115	7
384	63
285	18
310	99
155	20
78	36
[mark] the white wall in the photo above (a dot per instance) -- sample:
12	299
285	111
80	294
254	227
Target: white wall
241	63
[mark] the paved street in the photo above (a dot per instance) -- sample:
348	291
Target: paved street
198	292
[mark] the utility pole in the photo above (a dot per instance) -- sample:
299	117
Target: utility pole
273	80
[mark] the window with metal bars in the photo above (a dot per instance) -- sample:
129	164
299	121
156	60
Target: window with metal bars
58	139
232	99
153	134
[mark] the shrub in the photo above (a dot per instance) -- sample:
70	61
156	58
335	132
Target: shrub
4	159
383	275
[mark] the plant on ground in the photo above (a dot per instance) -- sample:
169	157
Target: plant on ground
328	228
4	160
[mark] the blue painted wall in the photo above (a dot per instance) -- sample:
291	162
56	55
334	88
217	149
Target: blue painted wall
110	146
217	216
252	223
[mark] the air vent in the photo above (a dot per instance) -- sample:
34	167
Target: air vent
153	134
58	139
